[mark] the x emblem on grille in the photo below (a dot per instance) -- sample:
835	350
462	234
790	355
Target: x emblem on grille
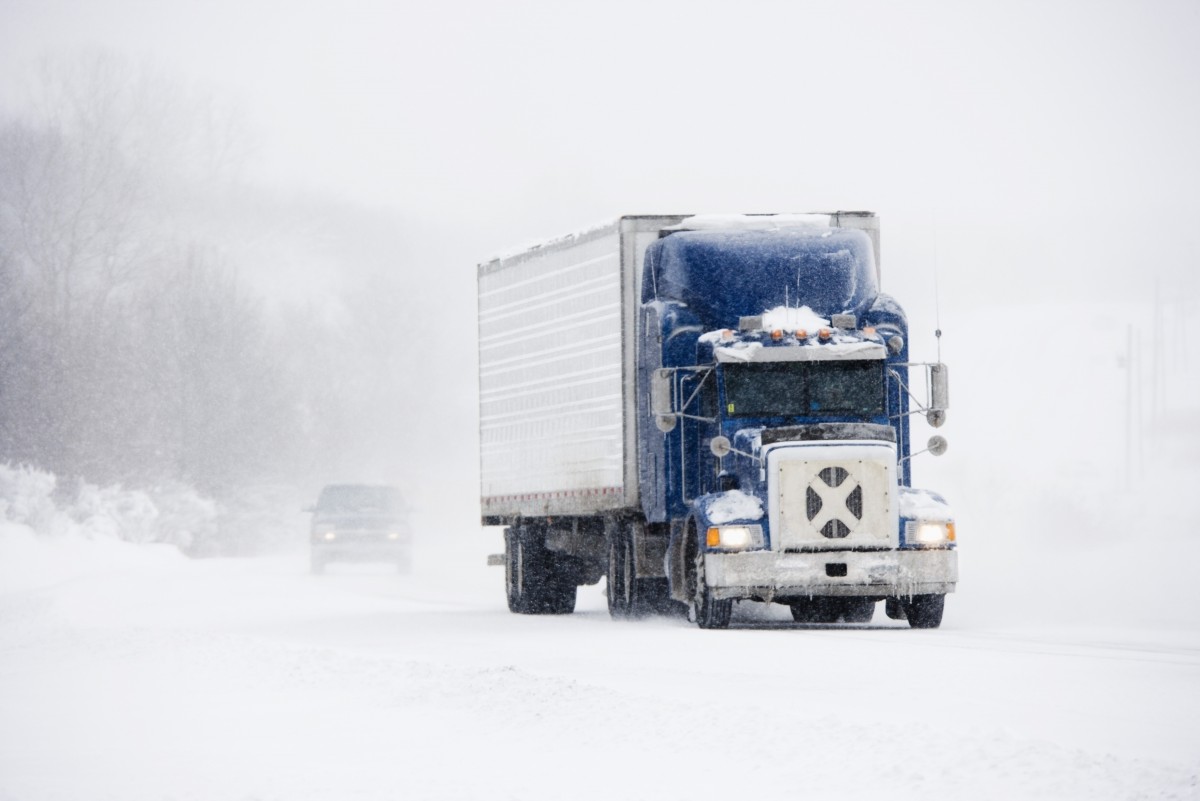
833	498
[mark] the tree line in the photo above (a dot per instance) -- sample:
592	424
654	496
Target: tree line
131	347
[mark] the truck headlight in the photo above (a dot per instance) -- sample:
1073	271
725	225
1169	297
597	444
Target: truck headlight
735	538
929	532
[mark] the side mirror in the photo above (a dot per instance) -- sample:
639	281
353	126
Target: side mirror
660	400
939	388
719	445
937	445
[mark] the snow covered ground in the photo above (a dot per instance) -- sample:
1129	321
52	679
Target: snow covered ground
140	674
1068	666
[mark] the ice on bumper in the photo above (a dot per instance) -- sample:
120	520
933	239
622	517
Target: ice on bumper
773	574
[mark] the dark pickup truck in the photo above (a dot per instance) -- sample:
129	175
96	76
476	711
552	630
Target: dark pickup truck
360	523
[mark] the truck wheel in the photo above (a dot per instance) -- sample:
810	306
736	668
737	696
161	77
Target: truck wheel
711	613
924	611
833	610
894	609
531	582
816	610
858	610
622	580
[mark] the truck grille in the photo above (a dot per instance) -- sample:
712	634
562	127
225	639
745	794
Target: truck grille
832	504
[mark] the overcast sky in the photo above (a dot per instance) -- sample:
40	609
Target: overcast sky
1029	148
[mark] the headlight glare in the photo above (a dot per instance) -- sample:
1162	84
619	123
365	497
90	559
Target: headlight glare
735	538
930	532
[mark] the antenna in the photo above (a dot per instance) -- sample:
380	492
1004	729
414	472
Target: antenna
937	301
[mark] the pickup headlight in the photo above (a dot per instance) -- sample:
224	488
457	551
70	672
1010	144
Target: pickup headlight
929	532
735	538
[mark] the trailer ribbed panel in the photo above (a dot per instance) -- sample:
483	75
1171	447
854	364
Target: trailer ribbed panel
550	376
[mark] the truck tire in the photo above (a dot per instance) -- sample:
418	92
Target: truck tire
924	611
816	610
833	610
711	613
895	609
621	578
858	610
630	597
532	584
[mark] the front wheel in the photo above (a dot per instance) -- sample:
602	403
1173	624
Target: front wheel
710	612
924	611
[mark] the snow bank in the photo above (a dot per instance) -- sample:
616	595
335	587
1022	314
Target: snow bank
29	561
173	514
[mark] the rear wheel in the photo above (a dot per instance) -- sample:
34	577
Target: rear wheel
628	595
532	583
858	610
833	610
816	610
622	581
924	611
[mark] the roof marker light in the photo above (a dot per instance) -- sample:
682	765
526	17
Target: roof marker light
824	334
776	334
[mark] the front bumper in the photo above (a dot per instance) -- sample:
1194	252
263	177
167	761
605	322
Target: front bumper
770	575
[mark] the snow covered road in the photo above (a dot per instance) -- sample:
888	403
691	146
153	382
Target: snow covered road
149	676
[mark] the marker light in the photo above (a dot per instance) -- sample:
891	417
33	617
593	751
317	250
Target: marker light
801	333
824	334
726	333
776	334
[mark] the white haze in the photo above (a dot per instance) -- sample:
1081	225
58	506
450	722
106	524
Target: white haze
1034	166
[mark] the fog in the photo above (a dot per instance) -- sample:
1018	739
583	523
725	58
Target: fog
238	249
1032	164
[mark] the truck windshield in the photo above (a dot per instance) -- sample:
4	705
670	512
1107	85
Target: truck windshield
797	389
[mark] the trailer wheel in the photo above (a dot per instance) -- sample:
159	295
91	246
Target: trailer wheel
711	613
531	581
924	611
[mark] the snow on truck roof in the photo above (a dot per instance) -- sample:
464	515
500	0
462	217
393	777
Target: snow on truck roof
813	222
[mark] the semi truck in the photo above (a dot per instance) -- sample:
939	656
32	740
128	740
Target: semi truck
709	409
